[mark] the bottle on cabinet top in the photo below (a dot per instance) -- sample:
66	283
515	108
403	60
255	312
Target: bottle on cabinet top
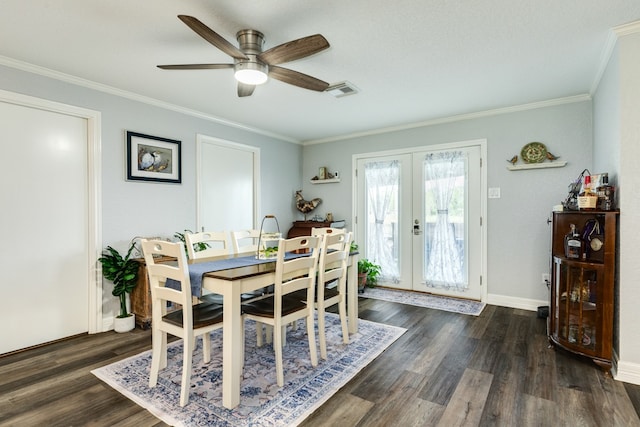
605	194
587	199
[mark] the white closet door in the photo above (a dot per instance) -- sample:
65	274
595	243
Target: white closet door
227	185
44	252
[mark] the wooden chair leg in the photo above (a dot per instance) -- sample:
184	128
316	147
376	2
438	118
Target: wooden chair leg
259	334
312	340
157	350
188	343
206	347
321	333
342	309
277	347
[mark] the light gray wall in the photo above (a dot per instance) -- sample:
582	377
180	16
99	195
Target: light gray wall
606	144
132	209
518	235
629	204
606	121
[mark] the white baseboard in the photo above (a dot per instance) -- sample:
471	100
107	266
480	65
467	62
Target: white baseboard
107	324
627	372
515	302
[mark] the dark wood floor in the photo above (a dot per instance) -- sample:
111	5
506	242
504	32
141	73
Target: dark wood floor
447	370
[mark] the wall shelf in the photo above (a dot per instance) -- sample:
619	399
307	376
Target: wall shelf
537	166
324	181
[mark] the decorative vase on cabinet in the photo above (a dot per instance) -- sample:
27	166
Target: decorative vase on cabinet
582	291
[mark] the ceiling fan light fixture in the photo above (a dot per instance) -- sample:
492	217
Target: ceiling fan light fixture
251	73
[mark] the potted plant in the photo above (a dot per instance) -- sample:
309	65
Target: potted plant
368	274
123	272
200	246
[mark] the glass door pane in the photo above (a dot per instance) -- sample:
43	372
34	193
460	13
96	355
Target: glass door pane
384	211
447	231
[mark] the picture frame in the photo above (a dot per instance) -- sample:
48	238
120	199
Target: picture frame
152	158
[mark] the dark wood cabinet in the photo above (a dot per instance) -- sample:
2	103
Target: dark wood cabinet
140	297
303	228
582	290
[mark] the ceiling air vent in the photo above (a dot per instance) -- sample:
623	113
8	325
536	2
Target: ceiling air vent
342	89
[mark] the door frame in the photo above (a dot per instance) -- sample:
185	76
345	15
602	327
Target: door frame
442	146
94	194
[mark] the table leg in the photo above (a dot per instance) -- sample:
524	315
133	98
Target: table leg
231	348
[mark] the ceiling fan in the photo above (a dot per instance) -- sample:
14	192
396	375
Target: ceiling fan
253	66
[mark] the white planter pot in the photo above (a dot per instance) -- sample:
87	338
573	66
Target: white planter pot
124	324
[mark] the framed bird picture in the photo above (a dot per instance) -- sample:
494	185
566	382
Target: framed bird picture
151	158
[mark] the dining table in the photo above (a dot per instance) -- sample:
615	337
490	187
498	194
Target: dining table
234	275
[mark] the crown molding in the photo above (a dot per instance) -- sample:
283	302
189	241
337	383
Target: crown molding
612	39
461	117
626	29
78	81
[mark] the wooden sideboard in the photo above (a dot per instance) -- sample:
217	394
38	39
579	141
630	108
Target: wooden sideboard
141	294
303	228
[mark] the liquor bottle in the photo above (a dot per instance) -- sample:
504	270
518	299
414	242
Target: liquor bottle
573	243
605	194
587	199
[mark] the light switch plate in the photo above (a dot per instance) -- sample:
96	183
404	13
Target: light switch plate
494	192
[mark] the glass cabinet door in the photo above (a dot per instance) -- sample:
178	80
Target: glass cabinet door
577	303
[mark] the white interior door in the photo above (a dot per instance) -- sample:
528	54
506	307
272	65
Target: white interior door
45	255
396	218
227	185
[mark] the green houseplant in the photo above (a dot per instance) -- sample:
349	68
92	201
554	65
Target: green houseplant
369	272
123	272
200	246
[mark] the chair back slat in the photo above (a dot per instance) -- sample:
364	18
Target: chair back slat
159	273
297	273
216	242
332	263
245	241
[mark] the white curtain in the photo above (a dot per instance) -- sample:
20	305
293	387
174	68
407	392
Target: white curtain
444	268
381	181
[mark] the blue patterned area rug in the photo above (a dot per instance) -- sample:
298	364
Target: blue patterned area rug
262	402
420	299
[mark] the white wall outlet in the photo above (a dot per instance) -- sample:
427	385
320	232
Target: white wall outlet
546	279
494	192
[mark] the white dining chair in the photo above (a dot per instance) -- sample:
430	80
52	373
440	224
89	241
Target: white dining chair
188	322
216	244
245	241
331	286
332	268
322	231
281	308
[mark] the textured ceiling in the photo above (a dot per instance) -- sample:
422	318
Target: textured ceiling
412	60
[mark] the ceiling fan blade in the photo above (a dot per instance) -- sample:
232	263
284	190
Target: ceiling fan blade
195	66
294	49
212	37
245	89
297	79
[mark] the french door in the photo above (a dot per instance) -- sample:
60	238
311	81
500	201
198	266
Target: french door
419	216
